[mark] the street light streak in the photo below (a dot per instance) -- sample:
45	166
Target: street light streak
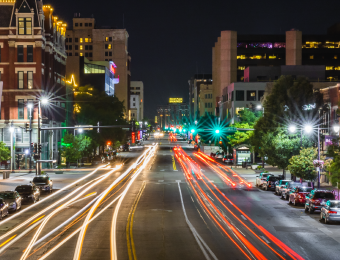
36	220
276	241
113	245
35	237
49	197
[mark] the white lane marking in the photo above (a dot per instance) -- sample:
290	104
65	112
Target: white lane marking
265	239
243	217
198	238
160	180
178	180
162	170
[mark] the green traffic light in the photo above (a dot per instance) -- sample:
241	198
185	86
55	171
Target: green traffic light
217	131
192	131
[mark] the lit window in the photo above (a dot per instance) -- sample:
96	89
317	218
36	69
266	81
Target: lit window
329	67
241	57
80	39
81	54
25	26
241	67
86	39
80	46
272	57
110	46
311	57
106	39
30	79
238	109
20	79
335	57
337	68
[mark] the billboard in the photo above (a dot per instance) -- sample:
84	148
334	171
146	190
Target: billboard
176	100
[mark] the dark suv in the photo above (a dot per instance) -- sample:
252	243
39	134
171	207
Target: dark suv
229	159
44	183
28	192
271	182
317	199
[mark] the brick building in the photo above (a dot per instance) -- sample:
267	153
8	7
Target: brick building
32	65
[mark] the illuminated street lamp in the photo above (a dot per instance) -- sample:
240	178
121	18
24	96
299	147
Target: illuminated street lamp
308	129
292	128
336	128
258	107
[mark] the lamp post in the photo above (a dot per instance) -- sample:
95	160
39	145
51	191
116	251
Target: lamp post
30	107
43	101
11	129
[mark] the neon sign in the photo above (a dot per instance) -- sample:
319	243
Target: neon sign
113	67
175	100
72	80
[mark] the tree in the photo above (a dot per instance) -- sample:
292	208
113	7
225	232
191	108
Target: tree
108	110
5	153
73	148
302	165
247	119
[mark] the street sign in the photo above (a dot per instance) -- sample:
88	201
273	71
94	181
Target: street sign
230	129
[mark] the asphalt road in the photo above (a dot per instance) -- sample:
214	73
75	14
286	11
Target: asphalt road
168	213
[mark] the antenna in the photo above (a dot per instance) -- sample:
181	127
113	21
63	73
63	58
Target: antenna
123	22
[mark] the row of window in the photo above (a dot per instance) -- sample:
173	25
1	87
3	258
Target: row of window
80	47
87	54
208	105
20	52
208	95
260	57
81	24
251	95
81	40
320	56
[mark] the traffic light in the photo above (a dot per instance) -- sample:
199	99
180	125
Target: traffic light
220	142
39	148
108	143
27	127
192	130
217	131
35	148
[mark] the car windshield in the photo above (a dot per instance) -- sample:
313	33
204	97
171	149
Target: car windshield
284	182
40	179
23	189
293	185
6	195
305	189
271	178
335	205
323	195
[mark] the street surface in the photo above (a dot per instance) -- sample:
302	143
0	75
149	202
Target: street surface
166	202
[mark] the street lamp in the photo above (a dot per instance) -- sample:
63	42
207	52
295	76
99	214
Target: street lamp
292	128
336	128
258	107
308	129
80	130
44	101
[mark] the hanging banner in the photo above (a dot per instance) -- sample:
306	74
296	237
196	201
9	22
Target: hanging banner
329	139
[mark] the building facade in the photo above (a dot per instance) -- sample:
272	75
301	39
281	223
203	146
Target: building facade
194	93
233	53
102	43
137	100
205	100
172	115
32	66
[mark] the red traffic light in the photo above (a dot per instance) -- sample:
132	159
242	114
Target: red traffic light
108	143
220	142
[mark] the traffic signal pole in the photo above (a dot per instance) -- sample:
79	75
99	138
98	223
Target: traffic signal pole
30	141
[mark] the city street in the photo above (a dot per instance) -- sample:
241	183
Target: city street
167	213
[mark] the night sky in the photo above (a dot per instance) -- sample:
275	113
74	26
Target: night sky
170	41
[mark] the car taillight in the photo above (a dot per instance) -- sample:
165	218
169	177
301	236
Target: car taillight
332	212
315	201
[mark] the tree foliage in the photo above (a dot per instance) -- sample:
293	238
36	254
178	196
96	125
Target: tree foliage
302	165
5	153
105	109
247	119
283	106
75	147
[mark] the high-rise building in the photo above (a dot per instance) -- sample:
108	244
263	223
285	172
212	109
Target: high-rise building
194	94
102	43
136	101
32	66
233	53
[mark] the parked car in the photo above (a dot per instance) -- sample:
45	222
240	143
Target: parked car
317	199
289	186
126	147
43	183
331	211
281	184
229	159
212	154
270	182
12	198
262	178
3	209
298	195
28	192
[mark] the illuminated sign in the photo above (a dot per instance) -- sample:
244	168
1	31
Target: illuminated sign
72	80
113	67
133	137
175	100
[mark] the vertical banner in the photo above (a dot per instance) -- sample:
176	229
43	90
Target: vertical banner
1	87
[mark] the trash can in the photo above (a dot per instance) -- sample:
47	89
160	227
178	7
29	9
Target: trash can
244	164
5	174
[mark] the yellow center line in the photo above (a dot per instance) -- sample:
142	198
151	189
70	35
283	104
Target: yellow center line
36	220
174	163
129	226
4	243
92	193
